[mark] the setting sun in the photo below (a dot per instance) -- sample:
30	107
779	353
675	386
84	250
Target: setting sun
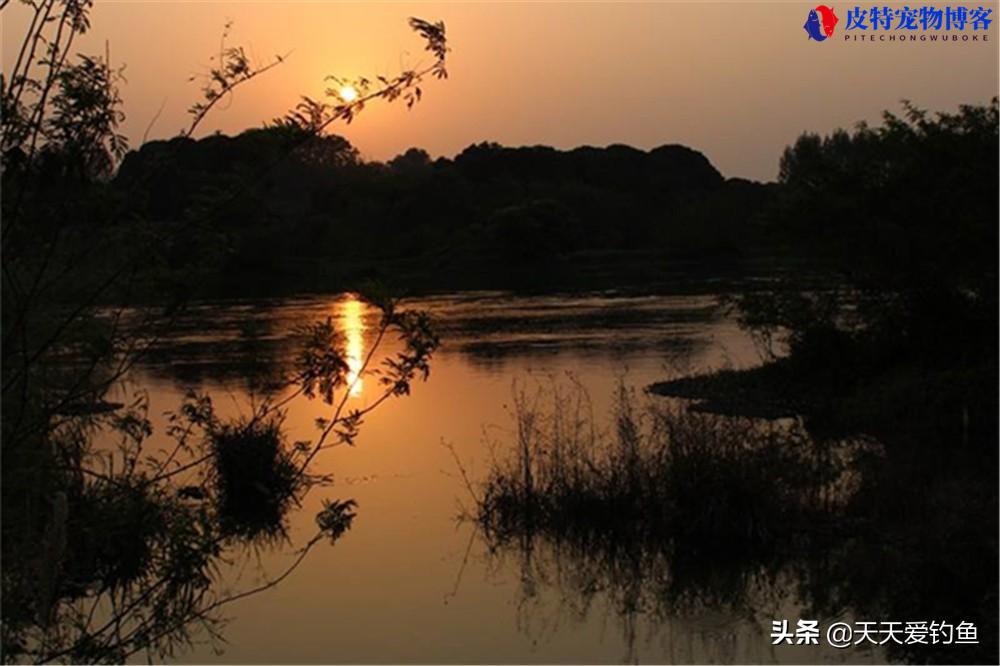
348	93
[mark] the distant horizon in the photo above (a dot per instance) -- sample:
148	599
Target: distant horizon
384	159
433	158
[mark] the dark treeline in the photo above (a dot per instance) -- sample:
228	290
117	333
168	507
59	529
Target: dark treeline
322	217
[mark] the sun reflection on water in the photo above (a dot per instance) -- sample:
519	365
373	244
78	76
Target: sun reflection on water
353	327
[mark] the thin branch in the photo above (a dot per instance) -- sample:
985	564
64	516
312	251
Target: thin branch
227	90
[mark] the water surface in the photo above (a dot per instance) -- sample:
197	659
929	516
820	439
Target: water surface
409	582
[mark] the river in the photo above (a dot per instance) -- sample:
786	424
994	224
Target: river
410	582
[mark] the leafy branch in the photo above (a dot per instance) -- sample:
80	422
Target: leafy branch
233	68
313	116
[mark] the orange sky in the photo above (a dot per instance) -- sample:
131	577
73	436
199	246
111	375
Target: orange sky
737	81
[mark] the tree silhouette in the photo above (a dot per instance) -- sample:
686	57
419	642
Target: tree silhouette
111	553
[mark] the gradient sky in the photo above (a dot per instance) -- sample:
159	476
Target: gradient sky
738	81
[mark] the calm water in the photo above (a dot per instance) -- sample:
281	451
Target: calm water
409	582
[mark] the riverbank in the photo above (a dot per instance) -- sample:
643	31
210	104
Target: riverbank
923	516
638	272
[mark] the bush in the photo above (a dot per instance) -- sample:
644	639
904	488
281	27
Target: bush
255	478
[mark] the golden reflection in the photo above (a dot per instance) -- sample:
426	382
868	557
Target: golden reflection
353	327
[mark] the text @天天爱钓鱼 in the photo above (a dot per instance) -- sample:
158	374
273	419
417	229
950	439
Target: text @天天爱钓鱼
846	634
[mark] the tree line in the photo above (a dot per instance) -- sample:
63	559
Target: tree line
490	209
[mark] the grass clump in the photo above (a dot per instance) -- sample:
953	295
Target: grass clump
256	478
660	473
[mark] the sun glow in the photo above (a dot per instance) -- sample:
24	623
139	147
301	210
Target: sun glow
353	327
348	93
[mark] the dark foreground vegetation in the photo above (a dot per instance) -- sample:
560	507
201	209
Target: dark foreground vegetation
885	377
114	547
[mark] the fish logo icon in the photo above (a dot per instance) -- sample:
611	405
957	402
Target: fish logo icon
820	23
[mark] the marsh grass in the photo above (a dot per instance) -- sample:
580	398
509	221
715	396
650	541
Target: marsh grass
659	511
255	477
659	472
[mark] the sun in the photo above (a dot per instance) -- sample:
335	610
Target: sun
348	93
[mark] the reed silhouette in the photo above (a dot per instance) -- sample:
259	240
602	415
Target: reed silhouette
662	514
